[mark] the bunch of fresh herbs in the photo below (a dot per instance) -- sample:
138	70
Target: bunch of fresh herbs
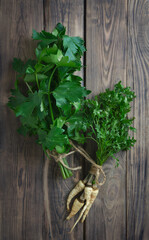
50	101
47	93
108	122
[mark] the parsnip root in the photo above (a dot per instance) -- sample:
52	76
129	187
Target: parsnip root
86	196
78	188
82	212
86	199
77	205
92	199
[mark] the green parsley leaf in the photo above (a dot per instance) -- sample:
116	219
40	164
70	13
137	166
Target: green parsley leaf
20	66
71	91
59	30
73	46
44	36
109	123
55	137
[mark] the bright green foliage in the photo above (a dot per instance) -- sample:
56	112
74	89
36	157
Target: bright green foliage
67	94
73	46
52	105
54	138
51	92
108	122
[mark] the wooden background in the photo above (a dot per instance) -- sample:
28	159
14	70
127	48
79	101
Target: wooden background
32	192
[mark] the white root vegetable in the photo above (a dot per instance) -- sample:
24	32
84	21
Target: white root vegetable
78	188
86	196
83	210
90	192
92	199
77	205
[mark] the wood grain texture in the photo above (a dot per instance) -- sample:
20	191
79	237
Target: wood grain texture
32	192
106	38
138	78
21	199
71	15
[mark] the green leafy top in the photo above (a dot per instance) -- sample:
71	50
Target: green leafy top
108	123
53	92
49	100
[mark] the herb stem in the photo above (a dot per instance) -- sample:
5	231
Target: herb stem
67	171
92	129
29	87
50	106
62	170
92	139
37	80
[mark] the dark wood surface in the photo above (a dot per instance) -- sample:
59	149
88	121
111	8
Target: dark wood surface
106	39
138	157
32	192
21	160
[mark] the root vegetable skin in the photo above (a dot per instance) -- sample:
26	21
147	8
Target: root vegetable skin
92	199
86	199
85	196
82	212
77	205
78	188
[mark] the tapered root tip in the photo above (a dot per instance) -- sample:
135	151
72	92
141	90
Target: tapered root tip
68	208
67	218
83	220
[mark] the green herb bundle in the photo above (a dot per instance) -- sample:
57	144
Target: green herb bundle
51	103
52	93
108	121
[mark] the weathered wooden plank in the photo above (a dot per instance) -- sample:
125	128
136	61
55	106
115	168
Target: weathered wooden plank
21	200
70	14
137	164
106	38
